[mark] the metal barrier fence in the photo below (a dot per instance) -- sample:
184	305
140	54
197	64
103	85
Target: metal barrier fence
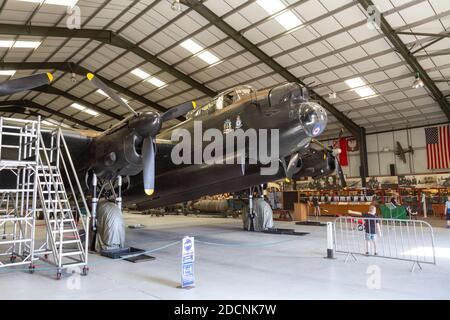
408	240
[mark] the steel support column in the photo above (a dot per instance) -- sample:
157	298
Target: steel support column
364	168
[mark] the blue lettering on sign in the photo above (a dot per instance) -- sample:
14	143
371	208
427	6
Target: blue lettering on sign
188	274
188	258
188	245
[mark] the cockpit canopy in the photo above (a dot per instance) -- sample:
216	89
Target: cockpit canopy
223	100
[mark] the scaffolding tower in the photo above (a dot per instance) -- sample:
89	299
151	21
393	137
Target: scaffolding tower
38	179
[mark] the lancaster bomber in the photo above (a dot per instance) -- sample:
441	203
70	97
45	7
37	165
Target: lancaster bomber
140	151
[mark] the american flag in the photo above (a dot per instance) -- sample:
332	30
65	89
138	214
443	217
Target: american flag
438	147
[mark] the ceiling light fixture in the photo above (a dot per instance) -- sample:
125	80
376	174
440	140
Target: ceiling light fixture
360	87
103	93
68	3
19	44
7	72
287	19
418	82
84	109
147	77
193	47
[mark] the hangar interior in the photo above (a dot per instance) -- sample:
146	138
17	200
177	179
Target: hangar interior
380	71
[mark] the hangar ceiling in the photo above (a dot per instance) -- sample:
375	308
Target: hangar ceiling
157	57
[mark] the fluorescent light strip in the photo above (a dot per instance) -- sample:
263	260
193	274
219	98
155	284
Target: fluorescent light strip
193	47
156	82
7	72
140	73
145	76
287	19
19	44
360	87
355	83
84	109
68	3
103	93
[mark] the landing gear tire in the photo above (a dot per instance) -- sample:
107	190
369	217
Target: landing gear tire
31	268
85	271
58	275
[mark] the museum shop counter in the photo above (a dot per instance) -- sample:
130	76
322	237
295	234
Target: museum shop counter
343	208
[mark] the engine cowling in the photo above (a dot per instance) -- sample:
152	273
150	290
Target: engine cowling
118	154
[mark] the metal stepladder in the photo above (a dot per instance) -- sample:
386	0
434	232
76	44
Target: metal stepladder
56	194
62	199
17	191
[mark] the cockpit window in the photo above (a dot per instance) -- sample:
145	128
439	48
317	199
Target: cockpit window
223	100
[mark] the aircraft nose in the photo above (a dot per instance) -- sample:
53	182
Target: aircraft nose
313	118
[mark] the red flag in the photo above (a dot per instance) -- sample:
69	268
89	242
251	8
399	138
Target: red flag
343	157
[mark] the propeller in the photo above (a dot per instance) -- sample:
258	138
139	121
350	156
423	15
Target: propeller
16	109
147	125
335	152
26	83
148	154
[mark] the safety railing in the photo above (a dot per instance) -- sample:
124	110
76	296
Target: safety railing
408	240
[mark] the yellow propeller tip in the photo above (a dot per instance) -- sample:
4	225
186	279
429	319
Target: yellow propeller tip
50	76
194	104
90	76
149	192
287	180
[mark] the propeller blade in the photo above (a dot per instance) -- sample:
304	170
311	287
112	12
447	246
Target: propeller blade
178	111
13	109
148	155
110	93
292	165
26	83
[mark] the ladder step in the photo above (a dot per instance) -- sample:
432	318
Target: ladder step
71	253
64	220
67	242
55	201
65	230
53	192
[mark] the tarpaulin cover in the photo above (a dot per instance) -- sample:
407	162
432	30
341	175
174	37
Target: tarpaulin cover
263	216
110	227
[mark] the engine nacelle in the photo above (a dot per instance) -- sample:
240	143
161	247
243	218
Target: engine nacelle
118	154
316	165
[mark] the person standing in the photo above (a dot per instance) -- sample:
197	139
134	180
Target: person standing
424	204
447	211
372	228
315	201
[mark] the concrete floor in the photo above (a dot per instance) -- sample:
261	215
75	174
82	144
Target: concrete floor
233	264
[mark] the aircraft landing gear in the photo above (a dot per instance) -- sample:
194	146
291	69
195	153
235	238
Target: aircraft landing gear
85	271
